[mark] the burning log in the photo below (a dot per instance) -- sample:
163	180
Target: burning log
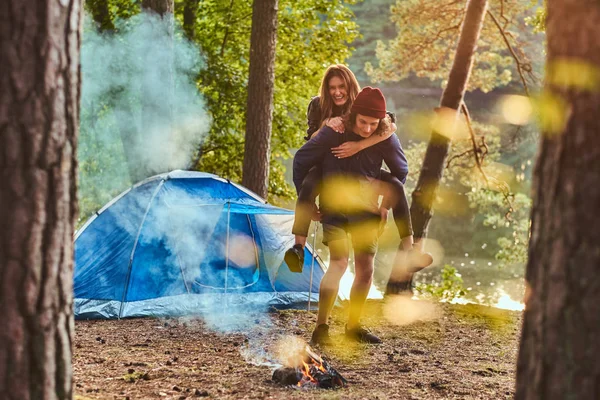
287	375
310	370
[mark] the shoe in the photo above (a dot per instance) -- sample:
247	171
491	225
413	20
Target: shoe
362	335
402	288
416	260
320	336
294	258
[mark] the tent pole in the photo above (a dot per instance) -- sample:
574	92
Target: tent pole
227	250
312	265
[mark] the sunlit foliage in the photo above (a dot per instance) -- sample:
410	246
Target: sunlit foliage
449	287
538	19
427	34
311	35
491	196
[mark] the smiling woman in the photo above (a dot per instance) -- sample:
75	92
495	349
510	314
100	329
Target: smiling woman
339	88
338	91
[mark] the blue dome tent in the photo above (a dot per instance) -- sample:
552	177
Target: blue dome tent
183	242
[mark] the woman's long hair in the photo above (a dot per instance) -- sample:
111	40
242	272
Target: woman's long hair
352	88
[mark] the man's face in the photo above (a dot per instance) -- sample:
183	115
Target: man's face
365	126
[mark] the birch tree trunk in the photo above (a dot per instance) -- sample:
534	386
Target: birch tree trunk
559	353
439	145
39	117
261	83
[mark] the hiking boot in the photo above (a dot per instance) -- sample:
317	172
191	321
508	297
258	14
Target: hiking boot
320	336
362	335
417	259
403	287
294	258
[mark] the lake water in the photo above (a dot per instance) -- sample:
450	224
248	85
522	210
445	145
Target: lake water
484	280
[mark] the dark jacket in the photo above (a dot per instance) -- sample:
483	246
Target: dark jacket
364	165
313	116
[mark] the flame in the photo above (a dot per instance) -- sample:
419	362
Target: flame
308	370
313	371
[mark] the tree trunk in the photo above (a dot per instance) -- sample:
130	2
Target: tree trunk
558	357
161	7
39	117
439	145
100	14
261	82
190	9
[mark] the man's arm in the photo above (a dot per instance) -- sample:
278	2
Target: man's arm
394	157
312	153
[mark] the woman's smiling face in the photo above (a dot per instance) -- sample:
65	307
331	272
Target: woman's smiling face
338	91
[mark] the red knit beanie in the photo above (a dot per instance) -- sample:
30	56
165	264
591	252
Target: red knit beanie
370	102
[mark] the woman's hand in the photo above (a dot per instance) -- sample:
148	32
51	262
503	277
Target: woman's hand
347	149
336	124
391	129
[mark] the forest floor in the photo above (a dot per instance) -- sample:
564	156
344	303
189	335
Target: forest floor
430	351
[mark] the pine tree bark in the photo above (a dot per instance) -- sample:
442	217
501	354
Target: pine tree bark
421	208
39	117
559	350
261	83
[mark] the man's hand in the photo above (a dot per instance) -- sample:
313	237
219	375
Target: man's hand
383	212
336	124
347	149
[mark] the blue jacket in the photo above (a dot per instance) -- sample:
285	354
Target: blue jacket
364	165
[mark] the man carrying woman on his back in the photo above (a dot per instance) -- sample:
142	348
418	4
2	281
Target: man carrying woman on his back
341	139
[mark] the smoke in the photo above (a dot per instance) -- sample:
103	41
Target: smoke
141	112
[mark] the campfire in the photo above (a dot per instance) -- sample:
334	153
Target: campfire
308	370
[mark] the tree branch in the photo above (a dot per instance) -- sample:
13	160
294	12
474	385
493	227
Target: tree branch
502	186
226	29
520	66
454	157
